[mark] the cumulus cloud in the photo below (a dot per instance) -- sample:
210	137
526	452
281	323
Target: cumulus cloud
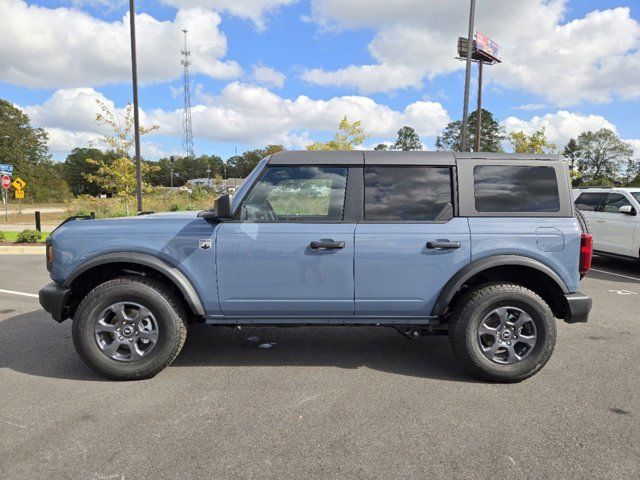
61	47
593	58
254	10
268	76
243	113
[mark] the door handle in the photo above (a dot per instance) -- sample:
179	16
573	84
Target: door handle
326	245
443	245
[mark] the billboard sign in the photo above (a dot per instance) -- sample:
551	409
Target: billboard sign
487	46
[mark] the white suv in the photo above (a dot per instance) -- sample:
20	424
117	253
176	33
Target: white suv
612	214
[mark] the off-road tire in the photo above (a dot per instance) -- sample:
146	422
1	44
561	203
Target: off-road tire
167	309
471	309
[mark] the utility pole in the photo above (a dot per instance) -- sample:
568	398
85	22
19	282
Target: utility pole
187	130
479	111
467	78
136	115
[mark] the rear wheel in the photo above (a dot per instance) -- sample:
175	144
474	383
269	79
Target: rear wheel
502	332
129	328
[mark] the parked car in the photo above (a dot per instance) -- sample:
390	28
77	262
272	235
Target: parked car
612	214
482	247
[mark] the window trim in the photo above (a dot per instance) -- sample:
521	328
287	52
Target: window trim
347	213
453	178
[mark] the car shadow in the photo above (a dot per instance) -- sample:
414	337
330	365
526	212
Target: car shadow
32	343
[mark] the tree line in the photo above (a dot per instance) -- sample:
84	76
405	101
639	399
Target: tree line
595	158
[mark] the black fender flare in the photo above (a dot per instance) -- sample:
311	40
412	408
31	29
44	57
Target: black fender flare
459	279
171	272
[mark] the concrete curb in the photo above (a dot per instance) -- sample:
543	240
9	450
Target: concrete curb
22	250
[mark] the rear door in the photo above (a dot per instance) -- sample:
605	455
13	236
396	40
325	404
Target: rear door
409	244
591	204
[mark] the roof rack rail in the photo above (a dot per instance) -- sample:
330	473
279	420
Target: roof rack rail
596	186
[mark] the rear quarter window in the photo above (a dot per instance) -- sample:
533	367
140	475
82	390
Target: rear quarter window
515	189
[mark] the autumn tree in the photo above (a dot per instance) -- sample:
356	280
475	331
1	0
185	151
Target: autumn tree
535	143
348	136
121	127
407	140
491	134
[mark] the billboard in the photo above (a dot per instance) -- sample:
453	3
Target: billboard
487	46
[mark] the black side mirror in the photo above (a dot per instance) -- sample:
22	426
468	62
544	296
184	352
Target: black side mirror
221	209
222	206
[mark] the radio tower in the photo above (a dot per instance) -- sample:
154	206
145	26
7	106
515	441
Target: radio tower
187	131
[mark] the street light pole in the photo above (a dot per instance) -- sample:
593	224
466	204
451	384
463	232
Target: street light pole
467	78
136	116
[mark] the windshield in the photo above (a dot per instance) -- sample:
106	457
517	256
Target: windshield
636	195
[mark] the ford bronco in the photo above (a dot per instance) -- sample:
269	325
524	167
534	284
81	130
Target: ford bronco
483	247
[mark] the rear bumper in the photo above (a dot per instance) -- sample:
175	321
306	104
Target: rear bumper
578	307
53	298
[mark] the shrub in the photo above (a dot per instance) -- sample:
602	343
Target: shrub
28	236
2	237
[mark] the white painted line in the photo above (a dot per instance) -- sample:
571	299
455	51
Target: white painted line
611	273
19	293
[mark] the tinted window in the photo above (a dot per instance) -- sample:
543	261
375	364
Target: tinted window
590	202
406	193
297	193
636	195
614	201
507	188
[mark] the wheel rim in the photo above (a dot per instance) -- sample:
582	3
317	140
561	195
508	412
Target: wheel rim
126	331
507	335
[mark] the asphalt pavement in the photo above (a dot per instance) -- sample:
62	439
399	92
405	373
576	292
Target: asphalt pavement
322	403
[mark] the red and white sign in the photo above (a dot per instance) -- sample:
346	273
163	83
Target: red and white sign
6	182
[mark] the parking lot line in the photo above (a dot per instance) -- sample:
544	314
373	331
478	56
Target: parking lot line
616	274
11	292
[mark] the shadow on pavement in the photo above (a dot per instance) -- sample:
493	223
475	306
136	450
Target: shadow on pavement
32	343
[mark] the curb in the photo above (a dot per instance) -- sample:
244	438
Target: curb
22	250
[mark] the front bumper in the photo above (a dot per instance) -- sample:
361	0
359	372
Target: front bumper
578	307
53	298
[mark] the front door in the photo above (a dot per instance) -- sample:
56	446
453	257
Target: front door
409	244
616	229
291	252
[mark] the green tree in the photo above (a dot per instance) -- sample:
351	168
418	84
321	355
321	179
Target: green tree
407	140
348	136
602	156
240	166
534	143
75	167
381	146
491	134
118	177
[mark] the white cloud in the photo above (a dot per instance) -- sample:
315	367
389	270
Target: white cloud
243	113
593	58
61	47
268	76
560	126
254	10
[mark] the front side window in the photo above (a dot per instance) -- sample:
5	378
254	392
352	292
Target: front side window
289	194
515	189
614	201
636	195
590	202
413	194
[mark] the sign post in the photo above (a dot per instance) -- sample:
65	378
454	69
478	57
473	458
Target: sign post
6	185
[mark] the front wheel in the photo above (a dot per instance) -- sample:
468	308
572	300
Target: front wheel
502	332
129	328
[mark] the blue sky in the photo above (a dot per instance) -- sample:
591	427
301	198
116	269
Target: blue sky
286	71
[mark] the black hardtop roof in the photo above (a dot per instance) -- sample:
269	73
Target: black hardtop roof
379	157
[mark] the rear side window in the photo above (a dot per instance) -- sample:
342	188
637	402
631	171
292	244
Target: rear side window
514	188
412	194
590	202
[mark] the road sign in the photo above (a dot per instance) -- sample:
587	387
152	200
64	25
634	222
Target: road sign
6	182
19	194
19	183
6	168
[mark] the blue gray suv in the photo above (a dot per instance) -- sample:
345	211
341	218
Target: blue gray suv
486	248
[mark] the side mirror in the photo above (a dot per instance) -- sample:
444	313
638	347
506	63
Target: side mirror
627	210
222	206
